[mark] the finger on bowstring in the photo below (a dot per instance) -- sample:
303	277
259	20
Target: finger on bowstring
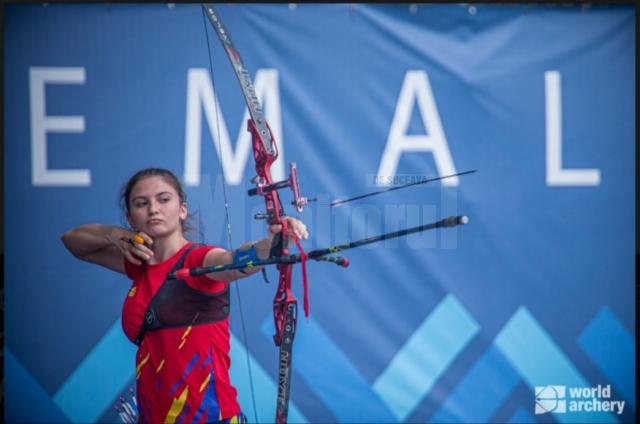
146	239
137	238
138	242
132	249
141	248
141	251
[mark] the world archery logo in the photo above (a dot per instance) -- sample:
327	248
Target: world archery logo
550	399
559	399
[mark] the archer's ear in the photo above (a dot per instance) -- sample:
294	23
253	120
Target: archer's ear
184	212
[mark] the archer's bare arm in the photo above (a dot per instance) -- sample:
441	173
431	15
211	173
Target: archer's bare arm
105	245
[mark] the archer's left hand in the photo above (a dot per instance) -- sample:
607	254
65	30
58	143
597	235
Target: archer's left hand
294	225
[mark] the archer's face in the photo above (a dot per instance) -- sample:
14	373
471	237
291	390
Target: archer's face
155	208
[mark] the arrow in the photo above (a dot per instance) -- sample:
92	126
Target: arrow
427	180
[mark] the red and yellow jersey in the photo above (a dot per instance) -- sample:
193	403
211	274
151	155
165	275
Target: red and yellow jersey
182	374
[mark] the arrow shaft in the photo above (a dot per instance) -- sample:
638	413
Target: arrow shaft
424	181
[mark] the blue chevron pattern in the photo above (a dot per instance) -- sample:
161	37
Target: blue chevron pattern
478	395
474	399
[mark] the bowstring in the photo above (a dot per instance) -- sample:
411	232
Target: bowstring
226	208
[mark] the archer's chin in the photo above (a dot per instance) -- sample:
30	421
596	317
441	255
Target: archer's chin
158	231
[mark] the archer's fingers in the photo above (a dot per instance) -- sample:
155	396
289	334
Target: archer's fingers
301	232
134	251
139	243
299	229
146	239
141	250
128	256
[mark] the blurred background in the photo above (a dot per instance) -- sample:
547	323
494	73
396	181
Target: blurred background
470	324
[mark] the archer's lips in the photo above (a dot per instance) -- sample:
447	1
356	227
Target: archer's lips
154	221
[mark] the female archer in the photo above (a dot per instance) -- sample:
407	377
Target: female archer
181	326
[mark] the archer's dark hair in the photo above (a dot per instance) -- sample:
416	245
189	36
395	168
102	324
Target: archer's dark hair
168	176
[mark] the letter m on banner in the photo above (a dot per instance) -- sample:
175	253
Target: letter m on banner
201	97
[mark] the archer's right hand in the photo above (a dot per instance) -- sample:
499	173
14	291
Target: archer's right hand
135	247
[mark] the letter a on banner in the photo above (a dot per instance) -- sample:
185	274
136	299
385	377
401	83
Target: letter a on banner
416	86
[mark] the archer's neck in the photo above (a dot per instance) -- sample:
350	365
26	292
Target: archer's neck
165	247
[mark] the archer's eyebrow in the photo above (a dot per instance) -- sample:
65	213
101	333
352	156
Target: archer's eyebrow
145	197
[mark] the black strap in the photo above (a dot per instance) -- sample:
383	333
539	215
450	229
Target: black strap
149	316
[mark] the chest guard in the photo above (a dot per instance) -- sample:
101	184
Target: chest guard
176	304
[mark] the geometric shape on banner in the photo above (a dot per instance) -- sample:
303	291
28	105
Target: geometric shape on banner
425	356
481	392
96	382
521	416
26	400
263	387
610	346
332	376
541	363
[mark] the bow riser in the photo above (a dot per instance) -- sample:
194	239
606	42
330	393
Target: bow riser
263	160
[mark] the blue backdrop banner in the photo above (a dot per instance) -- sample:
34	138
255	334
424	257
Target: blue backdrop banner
526	314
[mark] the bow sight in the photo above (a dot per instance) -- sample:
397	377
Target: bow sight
262	187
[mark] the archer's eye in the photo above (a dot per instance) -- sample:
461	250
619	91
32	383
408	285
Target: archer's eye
140	203
164	199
